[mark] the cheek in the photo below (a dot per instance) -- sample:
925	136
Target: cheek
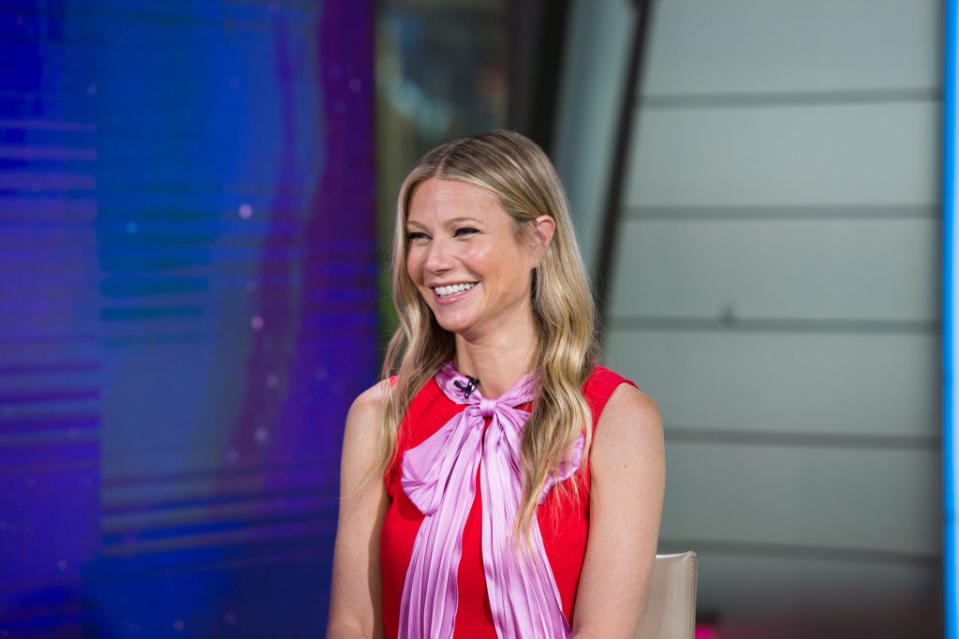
479	256
516	259
414	265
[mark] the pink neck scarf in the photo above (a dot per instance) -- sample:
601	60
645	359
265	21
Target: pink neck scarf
439	477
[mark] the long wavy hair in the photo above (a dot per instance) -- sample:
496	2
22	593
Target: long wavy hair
518	173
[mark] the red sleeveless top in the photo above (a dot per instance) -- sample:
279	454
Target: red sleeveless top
564	531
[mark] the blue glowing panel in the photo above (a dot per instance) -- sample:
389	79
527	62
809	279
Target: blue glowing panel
187	307
949	327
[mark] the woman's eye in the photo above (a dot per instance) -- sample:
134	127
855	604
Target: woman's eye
465	231
416	236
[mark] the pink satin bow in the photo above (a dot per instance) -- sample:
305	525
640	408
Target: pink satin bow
439	477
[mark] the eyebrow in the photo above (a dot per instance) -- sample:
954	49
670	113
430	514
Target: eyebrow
450	222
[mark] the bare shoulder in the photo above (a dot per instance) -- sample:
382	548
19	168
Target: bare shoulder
369	405
629	428
363	435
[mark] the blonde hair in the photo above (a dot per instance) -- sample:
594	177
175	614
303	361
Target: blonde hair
518	173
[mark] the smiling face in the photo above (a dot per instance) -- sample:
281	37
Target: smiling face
466	259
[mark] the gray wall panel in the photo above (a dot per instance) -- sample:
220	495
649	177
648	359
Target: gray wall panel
862	500
773	383
763	597
834	154
881	269
703	46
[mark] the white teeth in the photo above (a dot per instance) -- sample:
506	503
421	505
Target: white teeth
453	289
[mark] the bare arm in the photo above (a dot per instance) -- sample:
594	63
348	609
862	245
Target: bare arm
627	477
355	604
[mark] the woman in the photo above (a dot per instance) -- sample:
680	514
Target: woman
502	442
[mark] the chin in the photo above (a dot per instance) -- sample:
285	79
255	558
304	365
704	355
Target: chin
453	325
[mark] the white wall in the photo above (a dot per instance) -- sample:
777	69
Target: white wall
775	289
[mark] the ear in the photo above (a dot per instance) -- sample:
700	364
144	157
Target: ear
545	227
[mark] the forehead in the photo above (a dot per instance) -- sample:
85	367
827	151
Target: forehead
438	198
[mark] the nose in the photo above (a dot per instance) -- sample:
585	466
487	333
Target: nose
439	257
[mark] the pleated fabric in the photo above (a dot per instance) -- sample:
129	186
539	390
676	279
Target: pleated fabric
439	478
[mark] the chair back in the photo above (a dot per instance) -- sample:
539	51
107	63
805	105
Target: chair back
671	599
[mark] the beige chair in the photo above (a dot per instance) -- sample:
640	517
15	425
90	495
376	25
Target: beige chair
671	599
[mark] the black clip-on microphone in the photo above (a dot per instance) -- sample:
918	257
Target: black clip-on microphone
469	387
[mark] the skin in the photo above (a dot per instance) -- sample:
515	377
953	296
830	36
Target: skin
458	233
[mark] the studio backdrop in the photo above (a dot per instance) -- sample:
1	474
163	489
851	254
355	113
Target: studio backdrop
187	307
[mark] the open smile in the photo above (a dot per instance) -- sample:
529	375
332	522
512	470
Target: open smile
449	291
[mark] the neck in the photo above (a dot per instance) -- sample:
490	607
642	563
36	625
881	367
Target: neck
499	360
